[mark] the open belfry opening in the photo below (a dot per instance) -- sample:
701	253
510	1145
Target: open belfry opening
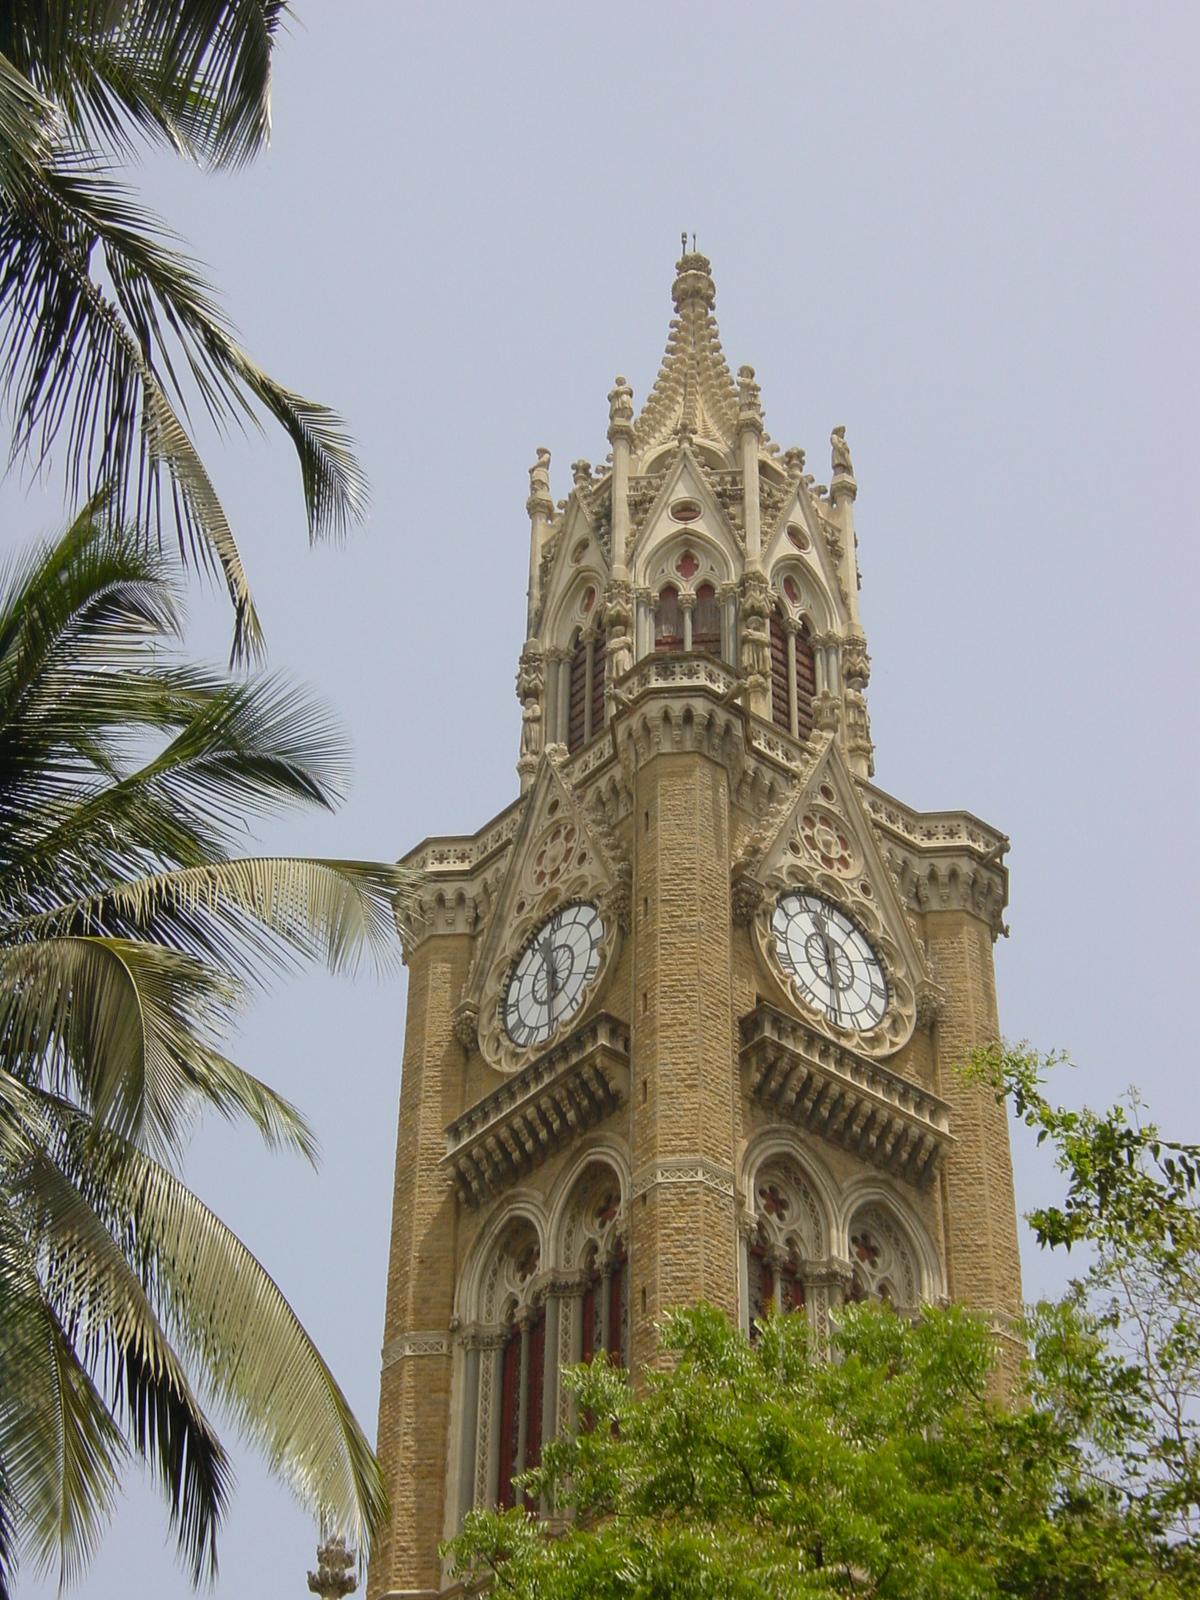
683	1019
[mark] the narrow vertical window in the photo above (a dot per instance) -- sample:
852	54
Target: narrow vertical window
618	1314
780	709
668	621
706	621
578	701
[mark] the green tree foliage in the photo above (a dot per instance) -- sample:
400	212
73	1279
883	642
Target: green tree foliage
130	937
888	1465
1132	1207
105	325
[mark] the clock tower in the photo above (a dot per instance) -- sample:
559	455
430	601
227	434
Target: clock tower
683	1020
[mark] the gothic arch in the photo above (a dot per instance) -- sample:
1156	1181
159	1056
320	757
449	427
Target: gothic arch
807	600
888	1249
659	565
483	1278
568	616
602	1153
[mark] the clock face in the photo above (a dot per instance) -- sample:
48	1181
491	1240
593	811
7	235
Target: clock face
548	982
829	959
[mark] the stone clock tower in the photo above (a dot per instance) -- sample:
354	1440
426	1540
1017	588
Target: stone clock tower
683	1019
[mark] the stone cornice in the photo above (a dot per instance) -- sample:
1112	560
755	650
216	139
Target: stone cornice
797	1075
539	1110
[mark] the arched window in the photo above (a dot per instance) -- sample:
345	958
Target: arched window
586	712
883	1260
521	1406
599	652
706	621
577	713
668	621
792	696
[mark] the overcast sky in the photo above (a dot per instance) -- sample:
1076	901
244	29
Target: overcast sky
967	233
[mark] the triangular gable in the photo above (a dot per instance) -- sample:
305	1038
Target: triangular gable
559	856
686	480
822	842
779	546
570	563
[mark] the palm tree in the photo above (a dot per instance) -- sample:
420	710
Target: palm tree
101	316
129	937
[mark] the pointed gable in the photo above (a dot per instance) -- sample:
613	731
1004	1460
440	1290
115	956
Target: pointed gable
820	840
558	857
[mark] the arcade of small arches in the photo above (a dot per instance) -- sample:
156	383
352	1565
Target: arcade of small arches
691	606
548	1285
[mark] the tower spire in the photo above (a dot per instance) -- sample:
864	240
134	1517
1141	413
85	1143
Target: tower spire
694	392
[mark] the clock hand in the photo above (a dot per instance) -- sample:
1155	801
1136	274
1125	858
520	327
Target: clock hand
827	945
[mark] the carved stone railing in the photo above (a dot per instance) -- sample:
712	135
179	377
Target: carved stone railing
673	669
798	1075
552	1101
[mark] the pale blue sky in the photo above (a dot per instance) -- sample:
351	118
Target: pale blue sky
968	233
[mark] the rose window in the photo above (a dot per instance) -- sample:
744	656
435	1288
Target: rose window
555	855
827	840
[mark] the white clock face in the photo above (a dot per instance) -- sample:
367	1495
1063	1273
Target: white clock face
548	982
830	961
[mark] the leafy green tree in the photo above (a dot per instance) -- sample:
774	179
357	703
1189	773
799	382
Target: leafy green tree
888	1465
1133	1206
130	937
101	315
747	1470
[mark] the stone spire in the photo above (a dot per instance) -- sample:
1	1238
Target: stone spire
694	392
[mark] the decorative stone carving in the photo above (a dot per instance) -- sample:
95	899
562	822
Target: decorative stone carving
465	1023
755	638
333	1578
618	621
826	712
821	841
747	895
841	452
530	692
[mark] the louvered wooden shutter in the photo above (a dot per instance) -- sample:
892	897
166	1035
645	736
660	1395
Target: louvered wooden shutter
598	650
578	695
806	682
668	621
780	714
706	621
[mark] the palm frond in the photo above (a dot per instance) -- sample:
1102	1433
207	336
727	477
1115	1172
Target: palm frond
59	1443
196	73
226	1314
129	1030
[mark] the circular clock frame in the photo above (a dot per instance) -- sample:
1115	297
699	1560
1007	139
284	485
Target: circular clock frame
549	983
830	961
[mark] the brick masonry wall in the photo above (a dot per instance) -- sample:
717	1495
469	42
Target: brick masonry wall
683	1239
414	1392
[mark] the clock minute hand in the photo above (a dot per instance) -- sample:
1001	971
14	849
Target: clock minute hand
827	945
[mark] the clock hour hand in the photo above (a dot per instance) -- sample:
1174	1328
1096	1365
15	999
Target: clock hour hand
834	1006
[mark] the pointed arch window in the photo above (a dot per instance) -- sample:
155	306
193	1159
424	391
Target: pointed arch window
586	715
706	621
793	683
577	713
521	1403
668	621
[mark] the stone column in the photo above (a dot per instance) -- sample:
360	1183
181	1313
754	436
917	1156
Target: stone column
682	1227
687	604
983	1260
550	1369
793	708
621	649
540	507
414	1394
564	695
470	1427
523	1405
